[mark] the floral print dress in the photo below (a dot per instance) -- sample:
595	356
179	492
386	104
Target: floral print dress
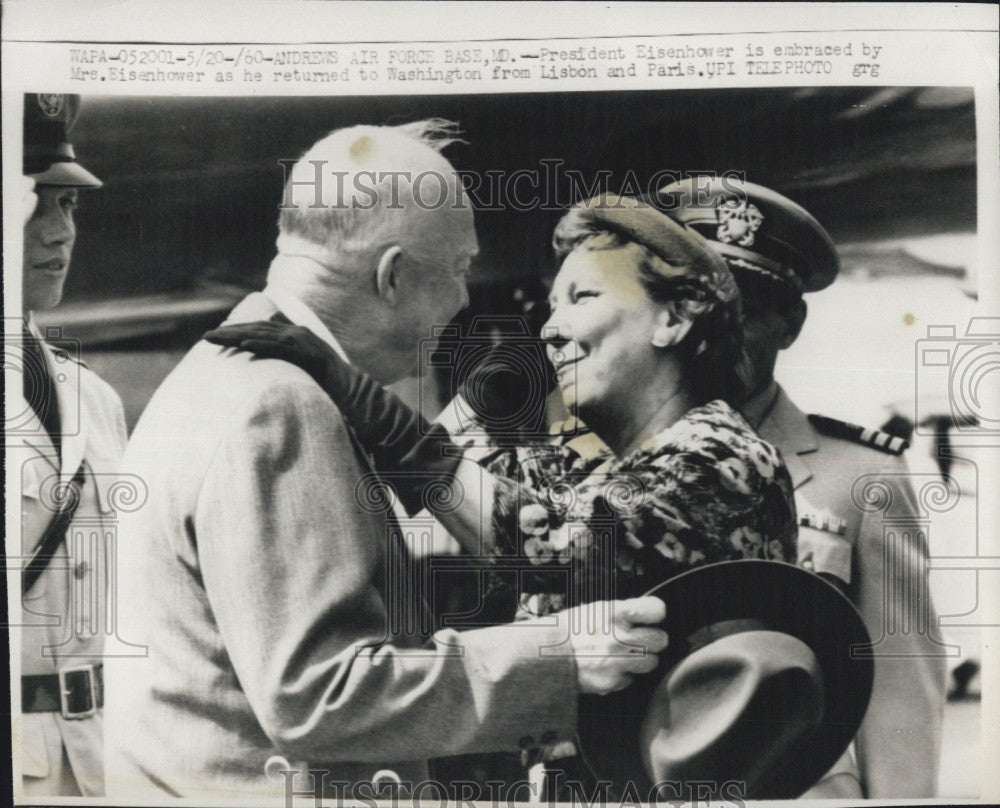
569	530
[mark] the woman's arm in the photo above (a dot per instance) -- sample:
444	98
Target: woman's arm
417	457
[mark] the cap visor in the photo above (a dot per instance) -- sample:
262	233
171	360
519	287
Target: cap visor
70	174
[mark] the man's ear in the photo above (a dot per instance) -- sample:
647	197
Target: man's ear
387	274
672	325
794	320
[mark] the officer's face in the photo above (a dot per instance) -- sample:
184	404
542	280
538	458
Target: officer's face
766	331
48	246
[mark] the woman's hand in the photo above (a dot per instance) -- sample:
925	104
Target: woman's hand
271	339
403	446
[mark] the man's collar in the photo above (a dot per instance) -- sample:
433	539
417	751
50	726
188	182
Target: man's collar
778	421
32	327
757	407
300	314
74	429
781	422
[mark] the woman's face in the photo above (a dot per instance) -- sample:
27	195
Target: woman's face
599	332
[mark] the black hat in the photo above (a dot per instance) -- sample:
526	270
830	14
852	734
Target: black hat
48	154
756	230
764	683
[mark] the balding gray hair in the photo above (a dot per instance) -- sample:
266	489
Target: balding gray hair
436	133
345	224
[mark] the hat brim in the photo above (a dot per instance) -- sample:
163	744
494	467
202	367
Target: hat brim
70	174
791	240
784	598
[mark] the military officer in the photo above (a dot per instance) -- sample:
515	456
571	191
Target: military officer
777	251
66	445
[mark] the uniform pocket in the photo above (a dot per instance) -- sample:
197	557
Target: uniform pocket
30	746
824	552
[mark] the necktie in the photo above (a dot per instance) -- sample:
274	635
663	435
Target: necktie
40	389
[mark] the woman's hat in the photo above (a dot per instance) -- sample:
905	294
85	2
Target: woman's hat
762	687
48	155
683	250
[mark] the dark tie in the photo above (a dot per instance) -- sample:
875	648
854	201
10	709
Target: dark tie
39	389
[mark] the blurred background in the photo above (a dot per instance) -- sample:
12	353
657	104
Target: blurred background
185	226
186	221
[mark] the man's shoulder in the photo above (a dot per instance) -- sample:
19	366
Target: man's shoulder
90	383
837	432
815	432
99	403
849	451
214	391
225	372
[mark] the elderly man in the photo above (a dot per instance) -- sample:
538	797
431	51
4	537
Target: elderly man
777	251
270	584
72	434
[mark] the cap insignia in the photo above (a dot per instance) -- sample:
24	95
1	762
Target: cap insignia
738	224
51	104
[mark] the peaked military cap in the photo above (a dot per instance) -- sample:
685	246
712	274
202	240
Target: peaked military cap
48	155
756	230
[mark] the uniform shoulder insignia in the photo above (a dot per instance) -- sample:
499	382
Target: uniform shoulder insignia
874	438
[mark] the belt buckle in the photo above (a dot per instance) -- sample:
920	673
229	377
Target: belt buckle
66	690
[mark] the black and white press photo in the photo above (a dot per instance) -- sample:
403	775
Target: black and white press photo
554	420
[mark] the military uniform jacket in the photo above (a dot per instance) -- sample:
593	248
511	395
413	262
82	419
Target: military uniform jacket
899	743
263	580
63	616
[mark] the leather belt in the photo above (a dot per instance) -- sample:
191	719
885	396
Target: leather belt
74	692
